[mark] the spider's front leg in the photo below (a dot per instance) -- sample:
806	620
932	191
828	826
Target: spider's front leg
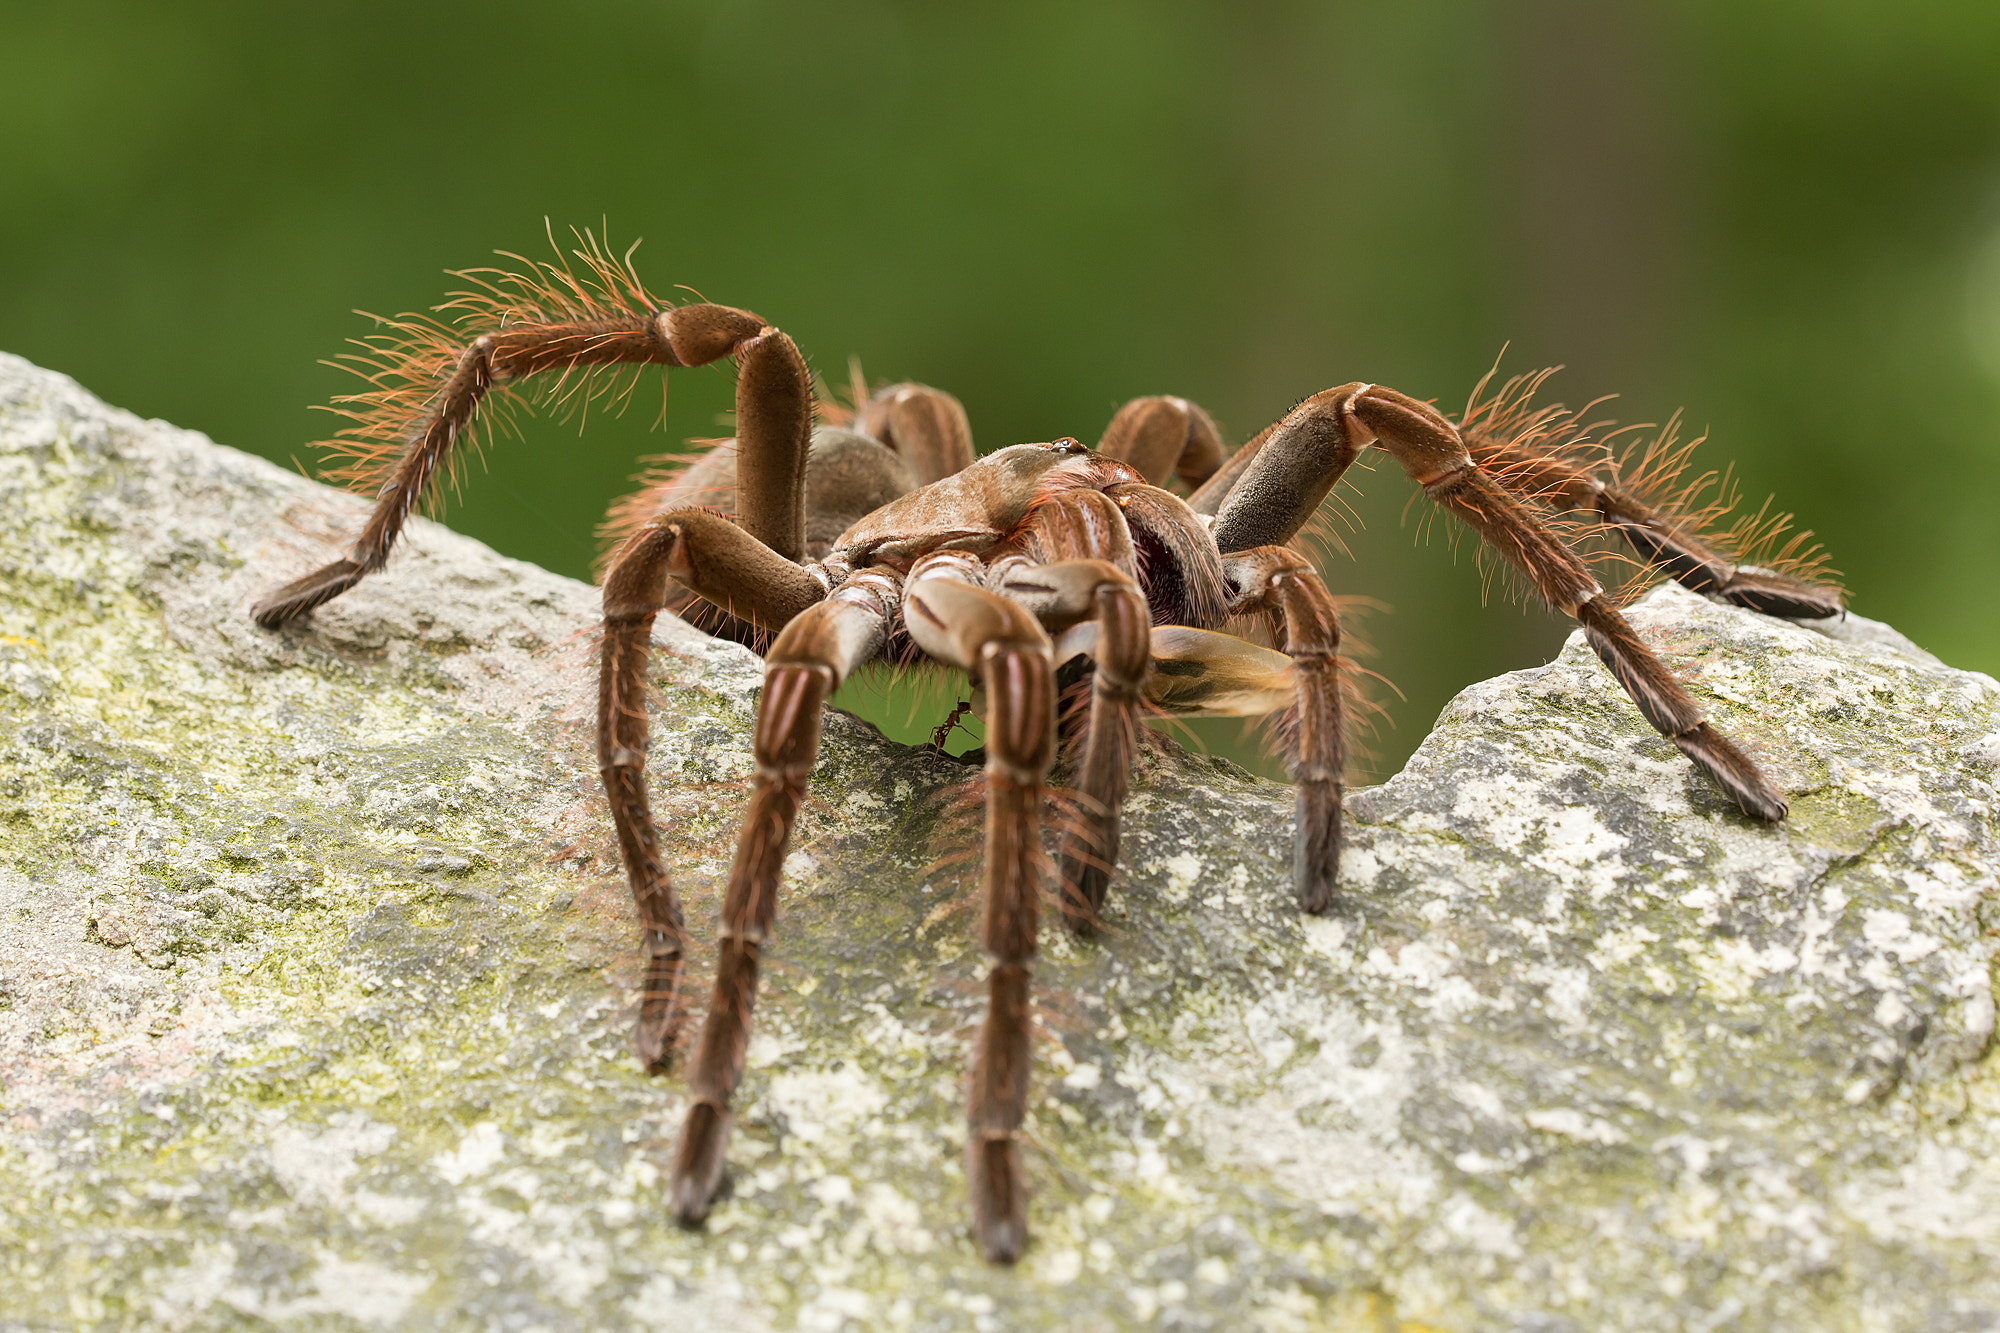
807	662
731	569
955	619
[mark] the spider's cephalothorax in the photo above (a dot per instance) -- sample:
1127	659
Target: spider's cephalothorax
840	546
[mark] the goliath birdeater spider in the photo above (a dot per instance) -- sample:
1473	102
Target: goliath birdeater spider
833	547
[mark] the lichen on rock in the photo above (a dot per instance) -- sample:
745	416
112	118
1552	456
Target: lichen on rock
316	975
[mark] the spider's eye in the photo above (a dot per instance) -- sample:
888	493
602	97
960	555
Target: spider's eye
1068	446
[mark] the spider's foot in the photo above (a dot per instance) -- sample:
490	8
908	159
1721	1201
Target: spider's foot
698	1163
1778	595
657	1035
999	1197
1082	893
1316	845
1732	771
655	1042
301	595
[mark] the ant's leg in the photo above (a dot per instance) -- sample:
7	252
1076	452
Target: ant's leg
816	651
1654	535
1305	453
773	401
927	426
1304	623
735	570
1163	434
955	620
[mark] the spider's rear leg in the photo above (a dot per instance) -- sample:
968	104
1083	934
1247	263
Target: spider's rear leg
1654	535
1162	435
927	427
807	662
1297	462
956	620
734	570
773	399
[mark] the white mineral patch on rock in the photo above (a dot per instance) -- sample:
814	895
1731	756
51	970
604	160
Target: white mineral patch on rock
317	970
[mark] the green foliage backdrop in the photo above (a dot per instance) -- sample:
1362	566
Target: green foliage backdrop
1783	217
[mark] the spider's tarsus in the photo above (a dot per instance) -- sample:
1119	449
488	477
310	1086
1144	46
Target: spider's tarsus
1316	844
1082	879
301	595
999	1203
1733	772
1776	596
654	1043
698	1163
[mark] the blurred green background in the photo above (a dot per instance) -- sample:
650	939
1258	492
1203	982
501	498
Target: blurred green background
1782	217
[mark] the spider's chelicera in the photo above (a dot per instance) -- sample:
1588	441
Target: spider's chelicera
889	538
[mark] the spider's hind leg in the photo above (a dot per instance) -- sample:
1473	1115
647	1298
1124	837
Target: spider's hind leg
1545	476
1293	465
1432	452
423	429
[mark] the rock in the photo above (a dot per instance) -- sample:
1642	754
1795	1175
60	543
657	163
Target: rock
316	975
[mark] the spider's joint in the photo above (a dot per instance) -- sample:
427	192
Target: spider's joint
1440	485
623	757
1018	774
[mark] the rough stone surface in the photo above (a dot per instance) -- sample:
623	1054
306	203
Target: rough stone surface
315	979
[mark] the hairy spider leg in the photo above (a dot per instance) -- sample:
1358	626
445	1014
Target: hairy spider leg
732	569
1283	584
955	619
1545	477
807	662
1297	462
773	404
927	427
1161	435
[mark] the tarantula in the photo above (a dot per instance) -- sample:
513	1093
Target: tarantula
893	540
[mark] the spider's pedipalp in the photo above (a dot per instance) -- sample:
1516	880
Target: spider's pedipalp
1062	594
